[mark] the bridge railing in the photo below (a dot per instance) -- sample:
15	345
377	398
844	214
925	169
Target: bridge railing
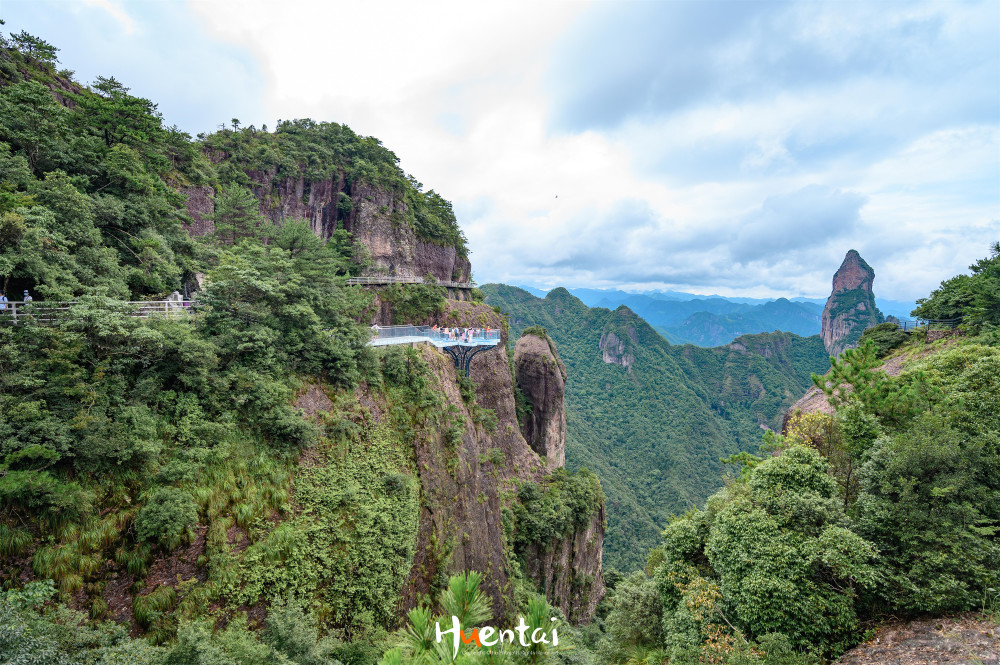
378	280
48	312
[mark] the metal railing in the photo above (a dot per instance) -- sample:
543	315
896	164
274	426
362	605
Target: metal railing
404	334
47	312
929	324
379	280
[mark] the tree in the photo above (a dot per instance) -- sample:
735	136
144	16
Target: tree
786	564
925	497
119	117
237	215
974	298
35	48
34	123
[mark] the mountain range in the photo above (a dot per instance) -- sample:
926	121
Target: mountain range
687	318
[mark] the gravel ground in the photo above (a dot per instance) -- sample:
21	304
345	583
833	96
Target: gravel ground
967	639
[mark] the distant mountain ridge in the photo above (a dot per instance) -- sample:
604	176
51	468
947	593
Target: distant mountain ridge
687	318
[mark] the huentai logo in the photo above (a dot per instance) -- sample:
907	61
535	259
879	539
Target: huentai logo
489	636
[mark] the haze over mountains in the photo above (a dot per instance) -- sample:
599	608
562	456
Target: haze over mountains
687	318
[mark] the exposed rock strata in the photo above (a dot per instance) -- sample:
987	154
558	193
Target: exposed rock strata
570	571
613	350
542	377
200	206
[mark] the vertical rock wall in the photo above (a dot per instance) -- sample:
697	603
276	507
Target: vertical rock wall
461	524
541	375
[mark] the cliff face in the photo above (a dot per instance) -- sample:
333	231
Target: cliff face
542	377
570	571
461	525
372	217
613	350
851	305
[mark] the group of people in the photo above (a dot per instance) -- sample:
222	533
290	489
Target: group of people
462	334
3	300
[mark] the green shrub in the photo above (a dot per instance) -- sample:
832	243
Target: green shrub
414	303
886	337
926	498
165	517
564	502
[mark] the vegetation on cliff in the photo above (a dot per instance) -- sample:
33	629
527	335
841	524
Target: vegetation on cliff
89	181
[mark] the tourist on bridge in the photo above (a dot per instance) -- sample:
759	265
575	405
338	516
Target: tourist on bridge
27	297
3	302
374	331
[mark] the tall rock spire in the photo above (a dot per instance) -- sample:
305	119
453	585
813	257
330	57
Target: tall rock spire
851	306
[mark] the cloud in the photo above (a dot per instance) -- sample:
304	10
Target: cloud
632	60
810	217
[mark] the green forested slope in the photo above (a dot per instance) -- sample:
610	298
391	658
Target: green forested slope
655	432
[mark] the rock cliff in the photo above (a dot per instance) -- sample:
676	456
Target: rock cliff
373	215
851	305
461	524
569	571
614	351
541	375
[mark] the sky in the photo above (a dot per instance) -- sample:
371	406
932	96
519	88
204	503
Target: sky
730	147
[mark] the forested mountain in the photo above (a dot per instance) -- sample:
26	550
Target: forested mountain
707	329
653	419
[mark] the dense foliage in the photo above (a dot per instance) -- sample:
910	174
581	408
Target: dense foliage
654	432
91	182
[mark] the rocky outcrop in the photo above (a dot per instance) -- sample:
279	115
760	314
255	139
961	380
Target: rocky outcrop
815	400
200	206
614	350
951	640
850	308
541	375
376	217
569	571
461	524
